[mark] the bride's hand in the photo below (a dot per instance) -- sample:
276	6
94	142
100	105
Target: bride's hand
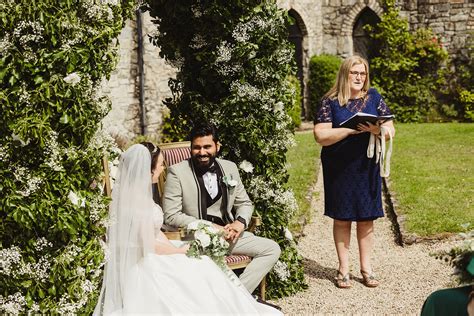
184	247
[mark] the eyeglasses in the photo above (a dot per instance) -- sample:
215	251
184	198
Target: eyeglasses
356	73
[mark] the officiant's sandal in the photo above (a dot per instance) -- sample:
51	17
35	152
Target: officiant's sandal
369	279
343	281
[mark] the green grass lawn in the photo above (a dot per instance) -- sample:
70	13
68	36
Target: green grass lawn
303	160
432	176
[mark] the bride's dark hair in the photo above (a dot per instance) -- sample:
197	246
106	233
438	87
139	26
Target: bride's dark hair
155	153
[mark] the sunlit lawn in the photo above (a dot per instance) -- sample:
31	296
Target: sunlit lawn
433	176
304	163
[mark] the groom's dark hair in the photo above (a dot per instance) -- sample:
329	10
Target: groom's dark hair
204	129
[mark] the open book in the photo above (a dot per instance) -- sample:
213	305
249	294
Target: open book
361	117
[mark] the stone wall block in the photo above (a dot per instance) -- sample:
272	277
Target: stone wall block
449	26
460	26
442	7
459	17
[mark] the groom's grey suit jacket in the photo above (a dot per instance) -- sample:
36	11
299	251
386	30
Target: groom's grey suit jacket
182	200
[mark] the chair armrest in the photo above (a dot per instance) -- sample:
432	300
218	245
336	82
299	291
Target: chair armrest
173	235
255	221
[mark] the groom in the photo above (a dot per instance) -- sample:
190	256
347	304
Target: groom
205	187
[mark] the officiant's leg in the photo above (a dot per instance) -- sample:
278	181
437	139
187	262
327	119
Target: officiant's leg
265	253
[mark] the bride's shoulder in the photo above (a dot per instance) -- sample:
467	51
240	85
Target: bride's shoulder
157	208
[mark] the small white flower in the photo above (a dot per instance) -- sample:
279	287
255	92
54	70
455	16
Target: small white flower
223	243
74	198
288	234
17	138
113	172
281	270
193	225
72	78
230	183
279	107
203	238
212	229
246	166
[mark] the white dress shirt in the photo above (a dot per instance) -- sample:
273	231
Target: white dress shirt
210	182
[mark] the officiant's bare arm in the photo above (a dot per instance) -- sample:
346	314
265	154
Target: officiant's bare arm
326	135
164	247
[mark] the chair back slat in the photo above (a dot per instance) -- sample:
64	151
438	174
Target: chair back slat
173	153
173	156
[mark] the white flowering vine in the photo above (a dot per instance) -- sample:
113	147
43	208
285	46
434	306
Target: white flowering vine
246	166
72	79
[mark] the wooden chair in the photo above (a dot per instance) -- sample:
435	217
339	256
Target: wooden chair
106	179
174	153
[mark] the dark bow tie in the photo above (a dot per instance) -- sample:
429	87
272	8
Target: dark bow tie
212	169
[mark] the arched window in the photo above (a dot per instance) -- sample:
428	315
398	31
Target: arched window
363	44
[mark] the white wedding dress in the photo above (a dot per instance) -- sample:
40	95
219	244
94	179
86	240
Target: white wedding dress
179	285
139	281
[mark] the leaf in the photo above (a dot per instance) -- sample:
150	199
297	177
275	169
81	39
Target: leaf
64	119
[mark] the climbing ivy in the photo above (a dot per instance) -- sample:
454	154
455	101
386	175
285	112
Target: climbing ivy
234	64
53	56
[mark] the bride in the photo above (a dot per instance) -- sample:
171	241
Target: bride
145	272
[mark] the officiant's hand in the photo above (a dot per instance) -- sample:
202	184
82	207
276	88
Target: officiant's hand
234	230
369	127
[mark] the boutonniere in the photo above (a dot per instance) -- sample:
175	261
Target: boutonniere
230	183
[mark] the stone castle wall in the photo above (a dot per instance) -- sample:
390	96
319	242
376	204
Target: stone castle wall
326	26
451	20
124	120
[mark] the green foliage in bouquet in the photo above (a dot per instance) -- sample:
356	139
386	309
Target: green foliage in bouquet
234	59
208	241
53	56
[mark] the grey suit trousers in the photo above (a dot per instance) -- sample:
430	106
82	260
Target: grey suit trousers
265	253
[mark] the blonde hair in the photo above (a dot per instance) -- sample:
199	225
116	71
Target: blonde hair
341	88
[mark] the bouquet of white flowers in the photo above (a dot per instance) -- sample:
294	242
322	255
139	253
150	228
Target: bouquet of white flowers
208	241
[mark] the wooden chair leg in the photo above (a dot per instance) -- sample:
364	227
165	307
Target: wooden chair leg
262	288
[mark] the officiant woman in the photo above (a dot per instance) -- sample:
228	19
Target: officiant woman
352	181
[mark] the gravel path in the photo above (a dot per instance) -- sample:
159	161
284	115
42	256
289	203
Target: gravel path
407	274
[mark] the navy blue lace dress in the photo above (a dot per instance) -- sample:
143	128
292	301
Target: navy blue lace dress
352	182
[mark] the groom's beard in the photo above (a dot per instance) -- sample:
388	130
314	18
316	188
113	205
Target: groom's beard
203	166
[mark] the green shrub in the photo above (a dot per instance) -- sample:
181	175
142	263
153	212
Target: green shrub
234	60
466	99
294	108
322	76
462	85
54	55
409	71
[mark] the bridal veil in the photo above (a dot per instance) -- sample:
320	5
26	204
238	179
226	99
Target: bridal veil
130	235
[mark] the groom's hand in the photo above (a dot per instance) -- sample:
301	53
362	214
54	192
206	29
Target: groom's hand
234	230
228	233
